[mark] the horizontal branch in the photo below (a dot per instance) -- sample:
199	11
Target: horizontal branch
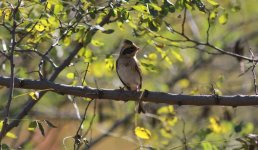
118	94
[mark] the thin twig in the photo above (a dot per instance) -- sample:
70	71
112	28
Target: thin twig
11	83
208	29
183	23
253	72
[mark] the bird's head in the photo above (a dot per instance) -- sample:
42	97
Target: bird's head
129	49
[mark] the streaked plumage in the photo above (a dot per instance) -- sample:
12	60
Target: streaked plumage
128	70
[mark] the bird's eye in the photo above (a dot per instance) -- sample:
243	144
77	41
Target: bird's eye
128	50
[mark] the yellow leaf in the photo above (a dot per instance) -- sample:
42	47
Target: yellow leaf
166	133
34	95
223	19
177	55
212	2
156	7
11	135
39	27
70	75
152	56
166	110
184	83
140	8
97	43
142	133
67	41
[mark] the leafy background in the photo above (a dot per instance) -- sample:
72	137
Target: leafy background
169	62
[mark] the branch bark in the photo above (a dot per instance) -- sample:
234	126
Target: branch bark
120	95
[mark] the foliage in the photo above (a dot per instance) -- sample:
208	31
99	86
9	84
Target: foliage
188	46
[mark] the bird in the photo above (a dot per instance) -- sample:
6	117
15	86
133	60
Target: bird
128	69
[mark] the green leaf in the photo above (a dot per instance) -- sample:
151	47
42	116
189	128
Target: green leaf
206	145
4	147
223	19
212	2
32	126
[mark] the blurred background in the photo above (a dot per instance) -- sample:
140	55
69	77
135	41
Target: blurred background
169	62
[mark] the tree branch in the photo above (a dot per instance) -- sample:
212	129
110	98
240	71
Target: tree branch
119	95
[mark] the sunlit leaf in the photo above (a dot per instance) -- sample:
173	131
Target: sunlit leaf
109	63
166	110
166	133
40	27
70	75
177	55
223	19
155	7
34	95
97	43
207	146
152	56
32	126
212	2
142	133
67	41
184	83
11	135
213	15
58	8
140	8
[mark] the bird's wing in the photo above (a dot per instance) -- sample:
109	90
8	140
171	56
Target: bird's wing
138	69
120	77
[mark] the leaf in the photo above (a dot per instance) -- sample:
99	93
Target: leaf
177	55
4	147
41	129
152	56
206	146
32	126
50	124
142	133
212	2
97	43
11	135
70	75
166	110
34	95
109	31
109	63
166	133
223	19
155	7
140	8
39	27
